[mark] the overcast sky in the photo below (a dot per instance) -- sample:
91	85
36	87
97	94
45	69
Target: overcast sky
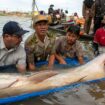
26	5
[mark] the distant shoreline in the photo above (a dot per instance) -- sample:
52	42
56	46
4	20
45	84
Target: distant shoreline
18	14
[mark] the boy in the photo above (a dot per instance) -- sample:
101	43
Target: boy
69	46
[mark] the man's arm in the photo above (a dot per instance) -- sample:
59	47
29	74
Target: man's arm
21	63
51	60
30	61
21	68
31	66
80	53
29	57
58	48
81	60
60	59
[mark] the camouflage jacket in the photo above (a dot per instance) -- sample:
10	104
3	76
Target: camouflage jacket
37	50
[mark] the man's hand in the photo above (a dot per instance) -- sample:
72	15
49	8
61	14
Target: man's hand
31	67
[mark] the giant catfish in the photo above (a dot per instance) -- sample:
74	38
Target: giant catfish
94	69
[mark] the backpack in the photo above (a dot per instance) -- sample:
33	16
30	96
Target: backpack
88	3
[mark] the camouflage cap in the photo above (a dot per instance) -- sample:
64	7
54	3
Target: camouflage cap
40	18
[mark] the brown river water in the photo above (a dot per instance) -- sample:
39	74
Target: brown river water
86	94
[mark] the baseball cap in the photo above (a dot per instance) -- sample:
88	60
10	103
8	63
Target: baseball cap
40	18
13	27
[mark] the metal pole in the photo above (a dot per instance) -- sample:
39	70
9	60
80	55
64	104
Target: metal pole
36	6
33	9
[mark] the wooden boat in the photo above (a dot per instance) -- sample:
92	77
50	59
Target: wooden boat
22	97
71	62
25	96
60	29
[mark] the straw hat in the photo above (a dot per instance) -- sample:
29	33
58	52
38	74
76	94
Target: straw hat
40	18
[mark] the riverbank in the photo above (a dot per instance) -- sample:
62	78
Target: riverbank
15	13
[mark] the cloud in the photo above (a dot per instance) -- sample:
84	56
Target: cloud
26	5
15	5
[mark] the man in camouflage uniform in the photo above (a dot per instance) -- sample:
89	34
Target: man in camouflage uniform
68	46
99	12
41	44
88	15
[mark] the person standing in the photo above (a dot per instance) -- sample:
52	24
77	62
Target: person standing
99	39
51	10
87	14
99	12
40	46
69	47
12	54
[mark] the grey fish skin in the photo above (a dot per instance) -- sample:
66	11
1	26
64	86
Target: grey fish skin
13	80
94	69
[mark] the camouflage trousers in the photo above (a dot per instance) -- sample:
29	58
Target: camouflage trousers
87	25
